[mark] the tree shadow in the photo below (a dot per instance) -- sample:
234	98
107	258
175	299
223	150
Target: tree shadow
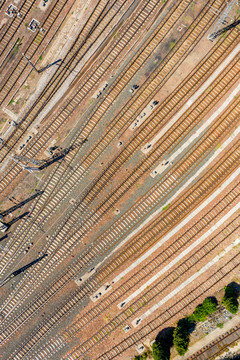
235	286
214	300
166	335
4	237
17	218
188	324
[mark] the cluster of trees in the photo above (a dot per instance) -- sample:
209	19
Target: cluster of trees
180	336
230	299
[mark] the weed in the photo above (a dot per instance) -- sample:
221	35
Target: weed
11	101
166	207
172	44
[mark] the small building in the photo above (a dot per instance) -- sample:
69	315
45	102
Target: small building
11	11
3	227
34	25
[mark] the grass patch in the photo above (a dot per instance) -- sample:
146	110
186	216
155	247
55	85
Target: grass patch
11	101
115	34
40	57
172	44
187	18
220	325
26	24
166	207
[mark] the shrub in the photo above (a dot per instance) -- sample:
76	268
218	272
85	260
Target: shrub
220	325
230	299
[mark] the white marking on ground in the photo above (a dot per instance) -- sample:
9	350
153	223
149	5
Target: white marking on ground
180	256
142	117
193	98
160	168
185	283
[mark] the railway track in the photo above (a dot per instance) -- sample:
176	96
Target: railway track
43	138
161	287
100	20
59	194
138	244
143	55
175	311
67	245
211	350
150	294
227	125
157	262
31	49
7	36
13	26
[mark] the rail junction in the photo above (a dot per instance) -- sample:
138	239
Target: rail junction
119	172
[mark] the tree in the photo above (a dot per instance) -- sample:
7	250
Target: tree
181	336
210	305
202	311
158	351
230	299
163	343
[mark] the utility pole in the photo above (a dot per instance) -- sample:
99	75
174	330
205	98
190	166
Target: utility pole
222	19
29	169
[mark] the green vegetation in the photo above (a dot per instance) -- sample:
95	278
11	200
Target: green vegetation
230	299
172	44
40	57
166	207
26	24
202	311
164	1
16	46
115	34
161	347
141	357
11	101
181	336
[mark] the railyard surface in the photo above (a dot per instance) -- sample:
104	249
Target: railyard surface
119	173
